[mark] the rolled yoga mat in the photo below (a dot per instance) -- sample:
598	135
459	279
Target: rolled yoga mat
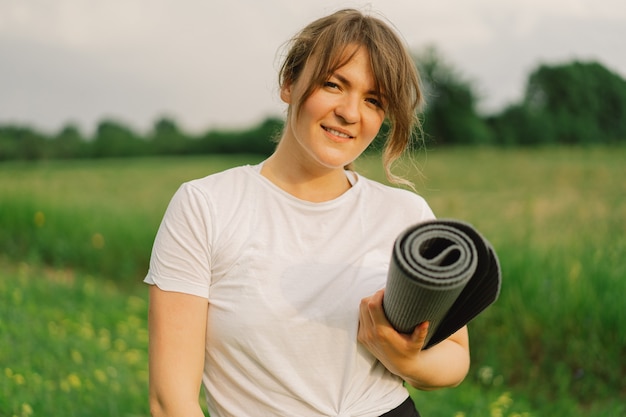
441	271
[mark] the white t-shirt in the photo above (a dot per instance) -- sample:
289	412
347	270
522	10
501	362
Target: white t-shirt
284	278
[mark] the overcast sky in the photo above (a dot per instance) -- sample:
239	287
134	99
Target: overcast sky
213	63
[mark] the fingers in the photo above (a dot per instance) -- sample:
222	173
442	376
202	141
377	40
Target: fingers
398	352
369	317
420	333
372	318
371	311
373	306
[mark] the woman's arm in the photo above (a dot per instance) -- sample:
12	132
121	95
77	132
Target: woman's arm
177	327
443	365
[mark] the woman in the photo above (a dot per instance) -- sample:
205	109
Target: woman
268	278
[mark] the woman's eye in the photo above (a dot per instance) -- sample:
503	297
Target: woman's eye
376	102
330	84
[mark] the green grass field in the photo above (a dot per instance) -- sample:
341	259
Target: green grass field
75	239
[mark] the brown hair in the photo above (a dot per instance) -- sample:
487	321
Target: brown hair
396	77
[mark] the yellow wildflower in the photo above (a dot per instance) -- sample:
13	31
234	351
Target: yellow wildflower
39	219
97	241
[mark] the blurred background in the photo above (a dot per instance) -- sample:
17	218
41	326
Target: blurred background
213	64
107	106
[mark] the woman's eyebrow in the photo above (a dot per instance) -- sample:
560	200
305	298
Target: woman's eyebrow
347	82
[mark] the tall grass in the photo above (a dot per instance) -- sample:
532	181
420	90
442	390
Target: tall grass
95	216
553	344
70	345
557	218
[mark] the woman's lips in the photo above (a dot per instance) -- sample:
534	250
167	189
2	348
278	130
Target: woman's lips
338	133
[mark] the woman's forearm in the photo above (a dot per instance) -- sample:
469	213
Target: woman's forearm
443	365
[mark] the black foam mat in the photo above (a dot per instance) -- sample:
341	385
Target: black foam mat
442	271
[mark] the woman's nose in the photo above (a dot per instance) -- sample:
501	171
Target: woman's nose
348	109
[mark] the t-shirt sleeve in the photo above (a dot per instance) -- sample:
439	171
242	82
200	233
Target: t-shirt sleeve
180	259
416	205
426	211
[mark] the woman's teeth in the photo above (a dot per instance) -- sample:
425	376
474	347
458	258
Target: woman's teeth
337	133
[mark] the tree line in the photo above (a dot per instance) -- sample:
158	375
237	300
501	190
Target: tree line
576	103
572	103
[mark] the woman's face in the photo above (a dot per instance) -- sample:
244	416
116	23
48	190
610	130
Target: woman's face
339	120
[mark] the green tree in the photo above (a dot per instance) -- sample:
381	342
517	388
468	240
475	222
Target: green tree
167	139
262	138
582	102
69	142
22	142
518	125
8	144
258	139
450	115
112	139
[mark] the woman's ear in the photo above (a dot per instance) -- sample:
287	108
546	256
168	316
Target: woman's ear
285	93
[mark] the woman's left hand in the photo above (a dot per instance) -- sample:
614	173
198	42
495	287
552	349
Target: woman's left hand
442	365
397	351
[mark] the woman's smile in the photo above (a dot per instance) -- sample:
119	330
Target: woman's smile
337	133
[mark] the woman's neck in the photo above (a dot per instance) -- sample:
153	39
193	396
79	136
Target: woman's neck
306	183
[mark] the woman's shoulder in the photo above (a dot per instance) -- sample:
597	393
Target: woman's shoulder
393	201
391	194
229	179
223	188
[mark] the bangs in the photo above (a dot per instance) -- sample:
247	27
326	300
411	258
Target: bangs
336	46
